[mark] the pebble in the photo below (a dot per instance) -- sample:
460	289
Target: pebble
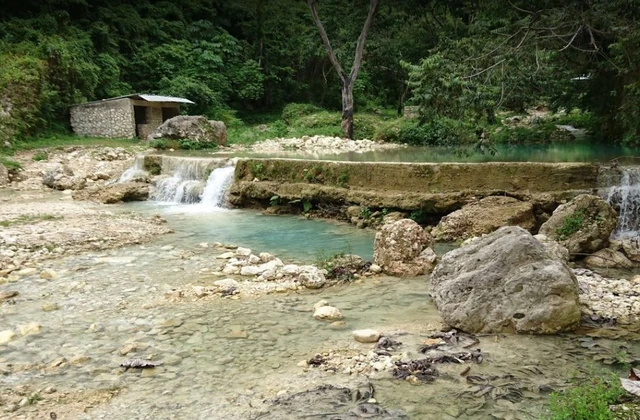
327	313
243	252
31	328
320	304
26	271
78	360
167	248
366	336
6	336
48	275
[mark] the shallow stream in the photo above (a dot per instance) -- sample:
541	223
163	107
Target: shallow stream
226	358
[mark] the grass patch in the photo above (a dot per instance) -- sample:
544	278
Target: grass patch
41	155
10	164
588	400
20	220
570	225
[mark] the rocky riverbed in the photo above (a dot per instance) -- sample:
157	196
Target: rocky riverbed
235	332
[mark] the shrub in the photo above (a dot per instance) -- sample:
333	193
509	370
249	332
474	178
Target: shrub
294	111
159	144
187	144
279	128
587	401
439	132
318	119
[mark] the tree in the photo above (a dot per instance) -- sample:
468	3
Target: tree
348	80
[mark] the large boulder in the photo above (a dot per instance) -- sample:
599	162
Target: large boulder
192	127
505	282
403	249
583	225
485	216
115	193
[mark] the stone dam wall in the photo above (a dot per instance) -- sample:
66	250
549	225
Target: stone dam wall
432	188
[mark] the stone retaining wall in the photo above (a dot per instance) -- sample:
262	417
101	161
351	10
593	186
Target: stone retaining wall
436	188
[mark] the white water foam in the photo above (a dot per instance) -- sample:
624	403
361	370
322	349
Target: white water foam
134	171
625	198
215	191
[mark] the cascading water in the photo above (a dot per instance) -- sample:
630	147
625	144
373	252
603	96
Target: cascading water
625	198
185	180
218	183
135	172
182	180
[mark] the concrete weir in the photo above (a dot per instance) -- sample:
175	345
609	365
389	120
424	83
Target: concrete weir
433	188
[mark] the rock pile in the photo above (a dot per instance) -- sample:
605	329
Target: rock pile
321	144
266	267
71	168
609	299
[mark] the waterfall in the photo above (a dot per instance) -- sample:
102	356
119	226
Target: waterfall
625	198
218	183
182	179
135	172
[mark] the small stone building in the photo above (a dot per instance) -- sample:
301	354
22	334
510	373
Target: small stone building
128	116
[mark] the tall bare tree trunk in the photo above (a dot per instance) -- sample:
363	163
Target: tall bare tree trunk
347	79
347	108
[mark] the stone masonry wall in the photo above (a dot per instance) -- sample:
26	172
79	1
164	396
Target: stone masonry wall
113	119
154	120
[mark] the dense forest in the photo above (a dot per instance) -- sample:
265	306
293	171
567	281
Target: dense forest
461	62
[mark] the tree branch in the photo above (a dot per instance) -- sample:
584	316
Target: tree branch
357	61
325	40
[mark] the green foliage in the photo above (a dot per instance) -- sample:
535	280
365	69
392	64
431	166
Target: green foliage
10	164
274	200
187	144
306	206
257	169
570	225
365	212
439	132
279	128
588	400
34	398
418	216
159	144
463	61
294	111
41	155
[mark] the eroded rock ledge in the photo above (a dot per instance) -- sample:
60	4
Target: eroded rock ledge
430	188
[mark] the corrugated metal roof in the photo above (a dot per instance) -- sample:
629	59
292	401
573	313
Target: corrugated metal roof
159	98
143	97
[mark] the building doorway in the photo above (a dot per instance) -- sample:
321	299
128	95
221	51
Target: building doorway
140	115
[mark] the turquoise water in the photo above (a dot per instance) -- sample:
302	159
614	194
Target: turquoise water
558	152
292	236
